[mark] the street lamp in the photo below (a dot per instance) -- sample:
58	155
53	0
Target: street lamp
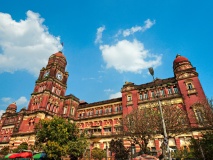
151	71
106	151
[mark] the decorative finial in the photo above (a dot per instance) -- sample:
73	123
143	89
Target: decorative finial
178	55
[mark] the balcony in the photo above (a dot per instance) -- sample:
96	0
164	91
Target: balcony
129	103
105	134
99	115
192	91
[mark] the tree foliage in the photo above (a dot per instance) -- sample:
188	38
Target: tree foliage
204	113
203	147
145	122
183	153
22	146
5	150
117	147
98	153
59	137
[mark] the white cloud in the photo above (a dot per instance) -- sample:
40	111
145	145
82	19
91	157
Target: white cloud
108	90
6	99
148	24
127	56
90	78
25	44
99	34
1	112
115	95
21	101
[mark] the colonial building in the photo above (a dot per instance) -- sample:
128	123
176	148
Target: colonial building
101	119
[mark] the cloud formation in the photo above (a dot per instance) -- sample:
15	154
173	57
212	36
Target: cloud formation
147	24
20	102
115	95
25	45
1	112
99	34
128	56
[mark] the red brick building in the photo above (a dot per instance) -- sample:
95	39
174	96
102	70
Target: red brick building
101	119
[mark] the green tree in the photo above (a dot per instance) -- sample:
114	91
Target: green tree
59	137
98	153
118	148
5	150
183	153
22	146
203	147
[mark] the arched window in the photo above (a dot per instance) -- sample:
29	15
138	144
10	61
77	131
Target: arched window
169	91
72	111
175	89
129	98
190	86
162	93
100	111
140	96
199	116
145	96
153	94
65	110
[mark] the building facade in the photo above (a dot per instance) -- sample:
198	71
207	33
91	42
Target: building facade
102	119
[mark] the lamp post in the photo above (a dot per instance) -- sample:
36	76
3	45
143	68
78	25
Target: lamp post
166	141
106	151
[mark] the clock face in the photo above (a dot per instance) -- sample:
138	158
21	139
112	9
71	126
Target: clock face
59	76
46	74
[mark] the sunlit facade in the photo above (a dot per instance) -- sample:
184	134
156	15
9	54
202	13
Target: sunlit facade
102	120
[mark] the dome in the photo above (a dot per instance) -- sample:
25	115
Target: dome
59	54
179	59
12	106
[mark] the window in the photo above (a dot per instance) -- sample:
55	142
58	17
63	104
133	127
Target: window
199	116
140	96
129	98
133	149
169	91
175	89
162	93
107	129
96	112
65	110
100	111
145	96
117	129
110	110
106	110
91	113
152	94
116	109
87	113
189	85
72	111
121	108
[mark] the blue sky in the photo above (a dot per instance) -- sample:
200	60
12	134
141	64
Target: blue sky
106	43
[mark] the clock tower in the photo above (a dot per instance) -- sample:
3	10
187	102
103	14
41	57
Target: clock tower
51	85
